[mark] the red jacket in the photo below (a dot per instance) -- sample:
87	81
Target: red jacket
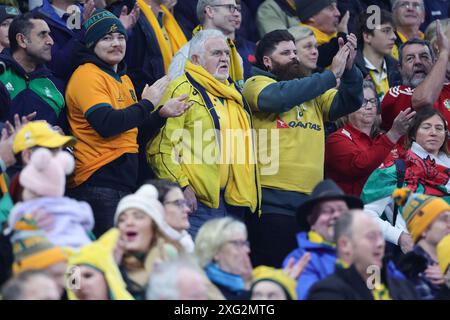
351	156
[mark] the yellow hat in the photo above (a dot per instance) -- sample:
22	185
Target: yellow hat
443	253
40	134
262	273
419	210
31	248
99	255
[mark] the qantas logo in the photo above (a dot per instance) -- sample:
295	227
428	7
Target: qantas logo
294	124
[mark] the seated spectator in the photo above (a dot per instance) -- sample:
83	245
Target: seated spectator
321	210
30	285
44	181
424	81
7	14
423	167
359	236
222	249
245	48
373	57
32	250
179	279
145	240
104	113
408	16
29	136
176	211
428	221
272	284
30	85
443	255
275	15
355	151
93	273
218	15
322	17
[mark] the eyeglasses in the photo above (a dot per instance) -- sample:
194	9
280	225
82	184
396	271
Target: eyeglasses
239	243
180	203
231	7
409	5
372	101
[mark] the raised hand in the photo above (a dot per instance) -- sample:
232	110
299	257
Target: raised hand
155	92
442	42
340	59
352	44
175	107
89	8
293	269
401	125
129	19
343	24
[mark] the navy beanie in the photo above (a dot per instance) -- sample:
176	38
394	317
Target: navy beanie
100	24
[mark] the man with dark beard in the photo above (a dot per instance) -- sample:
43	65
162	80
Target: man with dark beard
290	105
424	81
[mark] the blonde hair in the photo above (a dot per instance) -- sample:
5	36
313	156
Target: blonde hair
213	235
299	33
430	32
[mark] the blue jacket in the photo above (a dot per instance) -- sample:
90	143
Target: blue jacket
37	91
247	51
321	265
64	38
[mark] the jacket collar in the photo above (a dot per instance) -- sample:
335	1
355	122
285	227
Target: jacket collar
40	72
304	243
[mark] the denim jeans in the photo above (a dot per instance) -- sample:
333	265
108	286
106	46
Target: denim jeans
103	202
205	213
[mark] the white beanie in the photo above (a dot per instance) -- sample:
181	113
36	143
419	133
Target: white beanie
145	199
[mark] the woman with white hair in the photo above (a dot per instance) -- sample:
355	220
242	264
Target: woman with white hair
223	251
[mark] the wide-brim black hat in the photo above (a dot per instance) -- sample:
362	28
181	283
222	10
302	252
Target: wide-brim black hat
324	191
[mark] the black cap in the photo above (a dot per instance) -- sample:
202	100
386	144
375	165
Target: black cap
8	12
308	8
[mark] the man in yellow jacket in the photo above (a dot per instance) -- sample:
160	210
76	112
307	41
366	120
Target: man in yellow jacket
209	150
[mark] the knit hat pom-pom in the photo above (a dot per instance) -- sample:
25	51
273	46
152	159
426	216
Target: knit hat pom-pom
41	159
66	161
148	191
401	196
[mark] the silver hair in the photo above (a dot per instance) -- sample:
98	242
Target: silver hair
164	279
197	43
201	5
299	33
213	235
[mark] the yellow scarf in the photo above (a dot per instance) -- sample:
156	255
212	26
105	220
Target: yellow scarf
403	39
242	186
321	37
236	72
317	238
380	292
176	35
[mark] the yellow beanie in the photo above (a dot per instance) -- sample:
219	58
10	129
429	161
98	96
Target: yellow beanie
443	253
99	254
419	210
262	273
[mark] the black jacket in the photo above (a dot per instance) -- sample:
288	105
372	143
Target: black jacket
347	284
394	77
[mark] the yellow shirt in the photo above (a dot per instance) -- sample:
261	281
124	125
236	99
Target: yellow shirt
293	157
89	88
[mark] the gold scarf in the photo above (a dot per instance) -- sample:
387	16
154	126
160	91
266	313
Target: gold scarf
321	37
236	72
242	186
176	35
